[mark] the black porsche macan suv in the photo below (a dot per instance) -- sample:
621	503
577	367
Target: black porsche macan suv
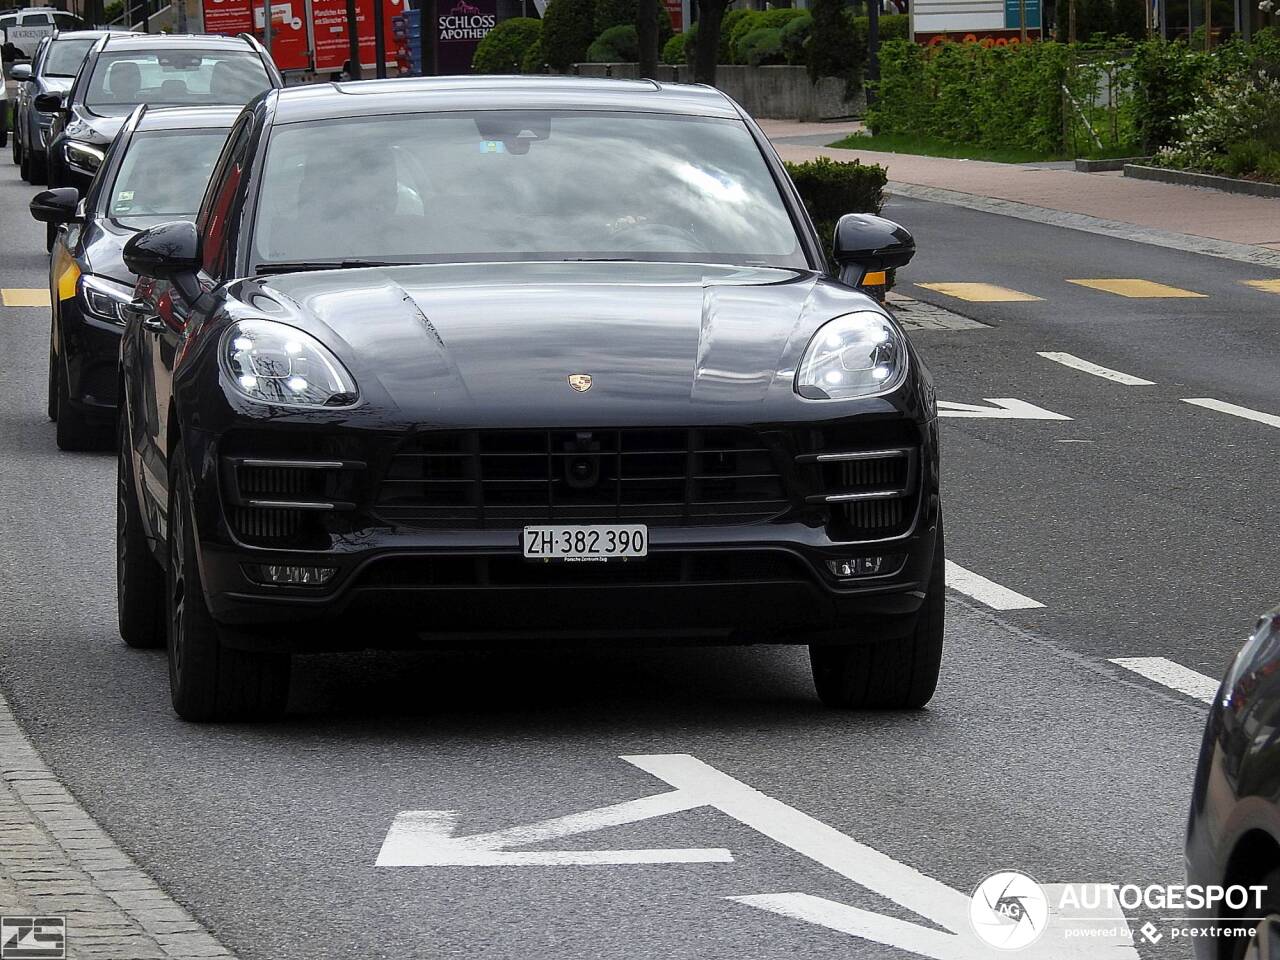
480	360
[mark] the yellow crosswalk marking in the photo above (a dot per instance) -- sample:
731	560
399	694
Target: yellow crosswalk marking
1270	286
980	292
1136	289
24	297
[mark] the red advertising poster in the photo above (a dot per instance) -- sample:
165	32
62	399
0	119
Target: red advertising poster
330	18
675	10
288	26
228	17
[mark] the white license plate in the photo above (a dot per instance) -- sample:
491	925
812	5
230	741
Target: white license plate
596	541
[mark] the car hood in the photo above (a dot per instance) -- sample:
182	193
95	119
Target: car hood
465	343
91	128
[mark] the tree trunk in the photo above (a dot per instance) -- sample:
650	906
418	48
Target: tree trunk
647	33
707	54
353	41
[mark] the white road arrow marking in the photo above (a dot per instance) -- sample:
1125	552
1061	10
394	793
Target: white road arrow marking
424	838
1006	408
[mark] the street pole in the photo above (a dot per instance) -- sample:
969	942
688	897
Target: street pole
873	44
379	40
353	42
1208	25
1071	21
266	24
1022	20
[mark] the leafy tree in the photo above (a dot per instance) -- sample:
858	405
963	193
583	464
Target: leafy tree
568	27
833	46
504	48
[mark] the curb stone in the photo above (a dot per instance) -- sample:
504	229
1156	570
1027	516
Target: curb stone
1223	249
56	861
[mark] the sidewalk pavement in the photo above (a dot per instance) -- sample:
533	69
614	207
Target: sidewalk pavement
1192	211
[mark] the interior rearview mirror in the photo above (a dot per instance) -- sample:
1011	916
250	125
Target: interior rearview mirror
58	205
867	247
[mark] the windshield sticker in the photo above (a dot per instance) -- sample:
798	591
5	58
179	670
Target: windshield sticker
124	202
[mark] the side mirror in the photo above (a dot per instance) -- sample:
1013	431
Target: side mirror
170	251
19	72
56	206
867	246
48	103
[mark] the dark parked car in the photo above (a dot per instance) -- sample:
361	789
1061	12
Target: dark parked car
479	359
124	71
49	75
156	169
1233	834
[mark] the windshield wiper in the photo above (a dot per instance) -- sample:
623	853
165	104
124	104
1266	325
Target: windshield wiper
299	266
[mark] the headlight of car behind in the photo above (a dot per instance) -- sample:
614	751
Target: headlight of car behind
104	299
858	355
279	364
82	157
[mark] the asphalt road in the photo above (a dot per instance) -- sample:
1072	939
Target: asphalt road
1143	525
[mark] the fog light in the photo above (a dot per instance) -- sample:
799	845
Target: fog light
290	576
856	567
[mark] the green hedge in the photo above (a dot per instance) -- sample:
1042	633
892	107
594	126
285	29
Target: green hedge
618	13
998	97
673	52
753	21
568	28
618	44
761	48
831	188
535	60
504	47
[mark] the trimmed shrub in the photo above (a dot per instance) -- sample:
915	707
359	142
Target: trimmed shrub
730	22
832	188
673	52
534	60
620	13
754	20
795	39
504	47
616	45
567	31
833	49
761	47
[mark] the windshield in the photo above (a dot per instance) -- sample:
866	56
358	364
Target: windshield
527	185
164	174
159	78
65	56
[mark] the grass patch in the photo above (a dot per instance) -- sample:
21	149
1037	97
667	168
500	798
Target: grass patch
932	147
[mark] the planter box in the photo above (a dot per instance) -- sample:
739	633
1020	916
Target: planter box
1210	180
775	93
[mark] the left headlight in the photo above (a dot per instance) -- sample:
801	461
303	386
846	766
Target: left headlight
82	157
275	363
860	354
104	299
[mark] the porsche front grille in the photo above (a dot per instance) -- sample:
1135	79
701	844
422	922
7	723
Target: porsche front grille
505	478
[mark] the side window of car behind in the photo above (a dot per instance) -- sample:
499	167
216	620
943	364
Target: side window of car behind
221	208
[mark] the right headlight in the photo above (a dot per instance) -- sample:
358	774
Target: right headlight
275	363
860	354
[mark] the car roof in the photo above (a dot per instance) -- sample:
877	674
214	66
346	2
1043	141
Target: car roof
173	41
438	94
80	34
188	118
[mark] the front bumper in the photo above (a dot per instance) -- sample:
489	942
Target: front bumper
399	585
91	360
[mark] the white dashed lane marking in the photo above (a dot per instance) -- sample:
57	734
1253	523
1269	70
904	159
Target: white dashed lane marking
1069	360
1270	419
987	591
1172	675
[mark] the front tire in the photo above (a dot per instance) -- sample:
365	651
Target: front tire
140	582
1265	942
897	674
208	680
36	168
